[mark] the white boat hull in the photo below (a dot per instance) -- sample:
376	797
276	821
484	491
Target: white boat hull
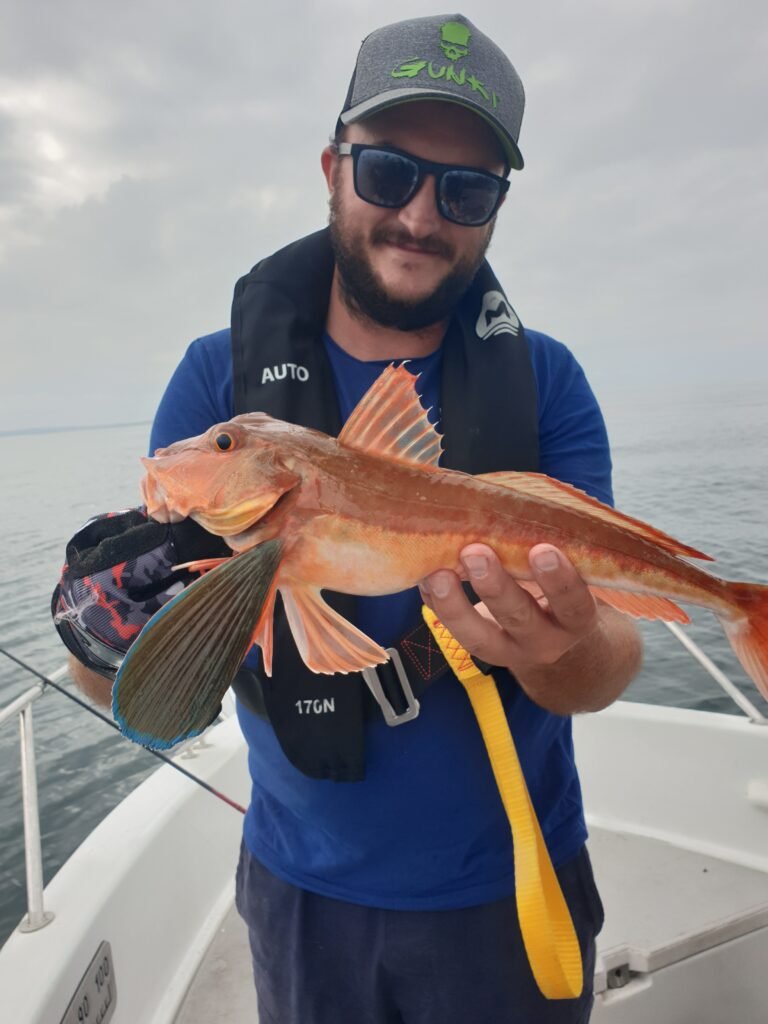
669	793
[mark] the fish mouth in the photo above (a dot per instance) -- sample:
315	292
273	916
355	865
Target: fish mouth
230	521
169	509
156	502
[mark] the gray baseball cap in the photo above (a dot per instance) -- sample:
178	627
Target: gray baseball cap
443	57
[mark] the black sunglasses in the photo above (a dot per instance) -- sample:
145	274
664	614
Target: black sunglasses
388	177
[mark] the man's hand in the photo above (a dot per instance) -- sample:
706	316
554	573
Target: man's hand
96	687
568	652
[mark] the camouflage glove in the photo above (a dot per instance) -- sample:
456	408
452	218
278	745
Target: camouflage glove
118	573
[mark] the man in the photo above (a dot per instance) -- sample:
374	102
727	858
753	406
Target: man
390	898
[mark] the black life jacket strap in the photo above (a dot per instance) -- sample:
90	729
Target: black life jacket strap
413	665
489	420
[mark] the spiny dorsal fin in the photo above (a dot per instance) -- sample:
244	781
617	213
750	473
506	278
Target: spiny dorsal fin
545	488
390	421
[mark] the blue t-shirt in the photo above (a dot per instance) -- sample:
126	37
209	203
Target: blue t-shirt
426	828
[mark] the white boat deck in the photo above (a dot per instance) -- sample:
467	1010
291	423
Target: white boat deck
663	905
222	989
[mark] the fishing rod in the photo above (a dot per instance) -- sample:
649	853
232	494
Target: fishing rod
155	753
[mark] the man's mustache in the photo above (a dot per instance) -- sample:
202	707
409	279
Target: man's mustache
430	244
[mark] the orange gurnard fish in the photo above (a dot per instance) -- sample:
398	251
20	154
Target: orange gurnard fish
369	513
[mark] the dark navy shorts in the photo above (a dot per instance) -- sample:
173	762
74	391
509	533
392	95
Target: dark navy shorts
322	961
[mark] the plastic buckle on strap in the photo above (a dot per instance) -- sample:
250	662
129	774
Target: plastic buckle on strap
391	717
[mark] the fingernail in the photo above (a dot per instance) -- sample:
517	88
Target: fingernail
440	585
477	566
546	561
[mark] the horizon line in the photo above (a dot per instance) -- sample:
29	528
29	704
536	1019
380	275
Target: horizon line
19	431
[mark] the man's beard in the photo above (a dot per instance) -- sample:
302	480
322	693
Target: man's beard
366	298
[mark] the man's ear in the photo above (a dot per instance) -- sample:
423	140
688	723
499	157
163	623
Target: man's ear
328	162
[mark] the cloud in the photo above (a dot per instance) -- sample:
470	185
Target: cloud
150	154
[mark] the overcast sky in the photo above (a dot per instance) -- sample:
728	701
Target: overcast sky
152	152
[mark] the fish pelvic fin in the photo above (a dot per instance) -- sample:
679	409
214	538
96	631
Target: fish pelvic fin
327	642
264	631
747	630
174	676
390	421
640	606
545	488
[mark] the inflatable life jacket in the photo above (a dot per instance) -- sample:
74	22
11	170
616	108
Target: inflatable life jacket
489	420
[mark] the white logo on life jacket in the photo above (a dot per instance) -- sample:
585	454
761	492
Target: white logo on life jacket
272	373
496	317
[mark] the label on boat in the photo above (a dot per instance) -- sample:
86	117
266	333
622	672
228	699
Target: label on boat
96	996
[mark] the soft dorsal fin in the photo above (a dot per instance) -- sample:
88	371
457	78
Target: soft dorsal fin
390	421
545	488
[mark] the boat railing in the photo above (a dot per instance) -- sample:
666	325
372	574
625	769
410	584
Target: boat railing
38	917
741	699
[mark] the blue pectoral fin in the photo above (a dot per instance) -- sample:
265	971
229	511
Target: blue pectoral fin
174	676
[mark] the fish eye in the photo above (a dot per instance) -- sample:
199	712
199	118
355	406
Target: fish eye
223	442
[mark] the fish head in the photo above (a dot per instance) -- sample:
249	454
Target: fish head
226	479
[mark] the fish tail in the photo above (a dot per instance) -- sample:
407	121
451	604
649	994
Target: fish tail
747	630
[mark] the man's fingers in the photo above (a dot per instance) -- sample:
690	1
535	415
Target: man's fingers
511	627
487	631
476	633
569	599
512	606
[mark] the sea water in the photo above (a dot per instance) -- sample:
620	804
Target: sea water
691	463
